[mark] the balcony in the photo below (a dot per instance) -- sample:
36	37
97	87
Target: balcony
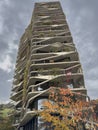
18	86
16	96
58	71
50	40
50	27
53	65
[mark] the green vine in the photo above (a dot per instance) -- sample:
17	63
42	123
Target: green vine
26	72
25	80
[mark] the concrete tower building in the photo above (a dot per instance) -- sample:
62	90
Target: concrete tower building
46	57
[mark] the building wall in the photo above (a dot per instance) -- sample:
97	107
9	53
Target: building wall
47	57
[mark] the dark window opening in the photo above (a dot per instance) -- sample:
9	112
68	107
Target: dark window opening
40	51
63	59
43	87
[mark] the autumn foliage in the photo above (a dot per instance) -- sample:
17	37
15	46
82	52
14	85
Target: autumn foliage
64	111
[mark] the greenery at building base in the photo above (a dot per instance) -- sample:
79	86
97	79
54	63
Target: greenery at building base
6	124
6	118
63	111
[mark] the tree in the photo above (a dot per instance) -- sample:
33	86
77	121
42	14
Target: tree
63	111
6	123
6	117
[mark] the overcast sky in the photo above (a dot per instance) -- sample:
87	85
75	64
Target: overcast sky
82	18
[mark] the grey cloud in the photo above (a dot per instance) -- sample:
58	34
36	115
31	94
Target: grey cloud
3	45
5	86
83	22
92	88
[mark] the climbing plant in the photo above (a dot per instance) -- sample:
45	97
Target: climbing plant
25	80
26	73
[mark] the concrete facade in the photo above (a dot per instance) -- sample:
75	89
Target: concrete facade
47	57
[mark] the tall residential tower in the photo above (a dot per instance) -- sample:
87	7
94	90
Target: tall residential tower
46	57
